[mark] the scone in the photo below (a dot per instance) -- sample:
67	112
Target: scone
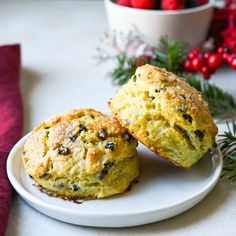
82	154
166	114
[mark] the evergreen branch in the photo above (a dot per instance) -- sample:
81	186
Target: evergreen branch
124	70
227	144
170	54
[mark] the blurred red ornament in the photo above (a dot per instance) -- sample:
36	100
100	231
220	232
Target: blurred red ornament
229	35
223	26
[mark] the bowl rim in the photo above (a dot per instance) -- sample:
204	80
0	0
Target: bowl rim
203	7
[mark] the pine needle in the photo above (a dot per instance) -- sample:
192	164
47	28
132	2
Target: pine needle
227	144
170	54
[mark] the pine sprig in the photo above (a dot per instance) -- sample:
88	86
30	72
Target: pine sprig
227	144
125	68
221	104
170	54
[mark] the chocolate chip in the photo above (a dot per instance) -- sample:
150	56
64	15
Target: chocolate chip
75	187
82	128
181	108
134	78
188	118
104	171
24	152
158	90
108	165
102	134
183	96
42	176
63	150
152	97
110	146
199	134
128	137
102	174
73	137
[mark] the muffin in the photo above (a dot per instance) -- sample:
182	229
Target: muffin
166	114
82	154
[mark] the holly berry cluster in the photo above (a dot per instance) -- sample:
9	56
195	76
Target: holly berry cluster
207	62
161	4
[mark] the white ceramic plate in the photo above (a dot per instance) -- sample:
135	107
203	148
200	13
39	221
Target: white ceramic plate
162	192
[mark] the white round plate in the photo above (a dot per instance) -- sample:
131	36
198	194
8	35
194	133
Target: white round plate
163	191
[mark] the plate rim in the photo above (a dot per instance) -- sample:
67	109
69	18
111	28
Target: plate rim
29	197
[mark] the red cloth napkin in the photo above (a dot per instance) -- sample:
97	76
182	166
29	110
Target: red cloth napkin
11	120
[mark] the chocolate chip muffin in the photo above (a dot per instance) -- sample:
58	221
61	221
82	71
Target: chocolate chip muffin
166	114
82	154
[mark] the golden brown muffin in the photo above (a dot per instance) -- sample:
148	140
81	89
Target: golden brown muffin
166	114
82	154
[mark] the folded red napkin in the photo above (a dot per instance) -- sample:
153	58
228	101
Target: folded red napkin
11	120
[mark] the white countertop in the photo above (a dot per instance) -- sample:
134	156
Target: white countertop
58	41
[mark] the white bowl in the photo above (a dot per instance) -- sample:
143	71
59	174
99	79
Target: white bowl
189	25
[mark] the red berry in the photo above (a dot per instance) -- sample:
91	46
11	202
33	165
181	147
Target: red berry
206	71
225	56
215	61
191	55
206	55
197	63
125	3
187	65
230	59
207	76
173	4
197	50
221	50
233	63
143	4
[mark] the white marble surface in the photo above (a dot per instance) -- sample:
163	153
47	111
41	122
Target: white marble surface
58	40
